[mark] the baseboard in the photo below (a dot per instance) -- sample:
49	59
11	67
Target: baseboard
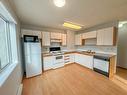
20	89
122	67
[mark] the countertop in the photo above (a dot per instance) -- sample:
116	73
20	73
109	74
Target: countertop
46	54
83	52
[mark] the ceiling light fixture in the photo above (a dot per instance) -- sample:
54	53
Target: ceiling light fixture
59	3
70	25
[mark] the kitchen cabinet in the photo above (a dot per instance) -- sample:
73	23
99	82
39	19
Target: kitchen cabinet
77	58
78	39
84	60
89	35
48	62
45	38
100	36
88	61
106	36
64	39
31	32
55	35
69	58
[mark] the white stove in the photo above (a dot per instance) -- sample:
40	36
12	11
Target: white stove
58	57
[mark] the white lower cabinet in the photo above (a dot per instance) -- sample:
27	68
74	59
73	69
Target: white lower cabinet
77	58
84	60
48	62
69	58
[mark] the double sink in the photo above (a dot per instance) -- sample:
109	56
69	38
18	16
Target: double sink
92	53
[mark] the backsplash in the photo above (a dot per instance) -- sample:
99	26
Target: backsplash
63	48
45	49
109	49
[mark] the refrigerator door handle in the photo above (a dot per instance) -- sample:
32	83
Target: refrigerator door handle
30	56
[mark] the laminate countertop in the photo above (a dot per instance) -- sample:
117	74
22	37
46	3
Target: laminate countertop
91	53
81	52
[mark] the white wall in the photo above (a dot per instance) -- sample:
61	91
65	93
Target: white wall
122	47
11	85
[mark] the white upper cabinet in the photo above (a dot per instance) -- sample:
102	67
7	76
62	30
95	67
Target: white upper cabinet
64	39
100	35
55	35
106	36
31	32
89	35
45	38
78	39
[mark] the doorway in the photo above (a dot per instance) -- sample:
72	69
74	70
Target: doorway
121	68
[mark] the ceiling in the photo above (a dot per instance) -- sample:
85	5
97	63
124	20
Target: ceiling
85	12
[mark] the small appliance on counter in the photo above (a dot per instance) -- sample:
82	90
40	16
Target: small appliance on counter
32	52
58	57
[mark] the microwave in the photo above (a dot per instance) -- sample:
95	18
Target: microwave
30	38
54	49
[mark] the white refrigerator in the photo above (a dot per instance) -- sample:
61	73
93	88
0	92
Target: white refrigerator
33	60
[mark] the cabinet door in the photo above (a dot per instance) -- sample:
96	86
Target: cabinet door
78	39
100	37
81	59
88	61
55	35
31	32
45	38
77	58
64	39
92	34
89	35
84	60
72	56
48	63
106	36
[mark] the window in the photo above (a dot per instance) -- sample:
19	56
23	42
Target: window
5	52
8	39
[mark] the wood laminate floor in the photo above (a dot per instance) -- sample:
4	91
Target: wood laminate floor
121	72
71	80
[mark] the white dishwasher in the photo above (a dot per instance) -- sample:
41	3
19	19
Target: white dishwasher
101	64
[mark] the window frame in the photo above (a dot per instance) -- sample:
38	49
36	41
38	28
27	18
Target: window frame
8	42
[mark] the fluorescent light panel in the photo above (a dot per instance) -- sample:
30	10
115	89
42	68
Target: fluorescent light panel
59	3
70	25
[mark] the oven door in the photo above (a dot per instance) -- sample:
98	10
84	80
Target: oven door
101	66
59	59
